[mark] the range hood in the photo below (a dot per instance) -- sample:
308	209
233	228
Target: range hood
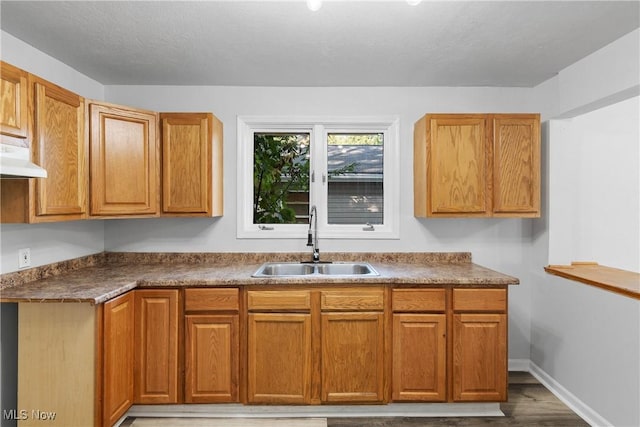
15	163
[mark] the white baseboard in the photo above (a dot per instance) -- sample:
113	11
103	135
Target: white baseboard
568	398
236	410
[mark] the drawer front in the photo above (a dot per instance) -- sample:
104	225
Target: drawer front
279	300
353	300
480	300
408	300
199	299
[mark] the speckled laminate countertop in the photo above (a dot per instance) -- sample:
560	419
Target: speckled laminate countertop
98	278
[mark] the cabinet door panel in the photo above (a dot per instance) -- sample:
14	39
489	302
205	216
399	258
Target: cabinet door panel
156	370
352	357
118	357
516	164
124	161
457	165
59	146
13	101
279	362
186	163
211	359
480	357
419	362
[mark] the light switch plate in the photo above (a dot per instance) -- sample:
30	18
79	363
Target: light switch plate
24	258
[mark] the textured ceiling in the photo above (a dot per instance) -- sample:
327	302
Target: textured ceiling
345	43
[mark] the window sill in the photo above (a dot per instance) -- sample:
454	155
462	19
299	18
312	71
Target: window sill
622	282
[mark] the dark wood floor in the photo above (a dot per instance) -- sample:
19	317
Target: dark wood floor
530	404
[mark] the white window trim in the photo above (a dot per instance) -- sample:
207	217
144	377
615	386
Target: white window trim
318	127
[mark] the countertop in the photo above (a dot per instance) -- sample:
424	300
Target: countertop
98	278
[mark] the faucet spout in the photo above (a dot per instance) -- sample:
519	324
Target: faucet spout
312	238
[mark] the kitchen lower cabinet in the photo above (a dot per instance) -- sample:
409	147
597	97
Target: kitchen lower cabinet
156	346
117	371
279	359
419	345
211	351
353	357
211	360
479	345
419	358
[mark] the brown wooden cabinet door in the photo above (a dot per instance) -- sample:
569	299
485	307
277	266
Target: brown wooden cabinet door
279	359
352	357
480	357
124	162
516	164
59	146
457	165
156	338
13	101
187	161
211	358
117	372
419	357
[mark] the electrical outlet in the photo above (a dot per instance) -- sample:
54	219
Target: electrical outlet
24	258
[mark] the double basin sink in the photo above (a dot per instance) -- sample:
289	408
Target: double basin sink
288	269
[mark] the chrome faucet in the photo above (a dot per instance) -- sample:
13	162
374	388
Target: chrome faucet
312	239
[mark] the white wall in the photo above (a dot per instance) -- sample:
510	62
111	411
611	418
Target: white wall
595	162
587	340
48	242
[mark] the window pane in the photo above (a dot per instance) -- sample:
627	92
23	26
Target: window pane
280	178
355	166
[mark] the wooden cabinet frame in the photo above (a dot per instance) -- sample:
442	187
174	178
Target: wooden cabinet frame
477	165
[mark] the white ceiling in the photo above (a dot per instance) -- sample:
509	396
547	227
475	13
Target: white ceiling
345	43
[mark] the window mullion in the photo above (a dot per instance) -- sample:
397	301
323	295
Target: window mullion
318	189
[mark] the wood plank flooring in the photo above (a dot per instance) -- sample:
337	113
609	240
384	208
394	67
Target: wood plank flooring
530	404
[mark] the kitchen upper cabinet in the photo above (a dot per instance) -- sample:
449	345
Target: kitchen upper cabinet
516	165
419	345
191	164
13	103
211	345
353	345
156	346
124	162
58	144
477	165
479	345
118	354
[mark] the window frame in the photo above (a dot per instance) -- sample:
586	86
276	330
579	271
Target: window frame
318	127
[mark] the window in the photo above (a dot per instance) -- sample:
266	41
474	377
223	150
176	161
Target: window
347	168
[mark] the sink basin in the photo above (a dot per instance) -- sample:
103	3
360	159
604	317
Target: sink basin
284	269
346	269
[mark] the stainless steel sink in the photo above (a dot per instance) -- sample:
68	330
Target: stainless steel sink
346	269
284	269
287	269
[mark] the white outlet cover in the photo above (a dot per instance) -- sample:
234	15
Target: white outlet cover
24	258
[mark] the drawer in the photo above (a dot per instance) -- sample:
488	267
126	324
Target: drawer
353	300
279	300
200	299
480	299
408	300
